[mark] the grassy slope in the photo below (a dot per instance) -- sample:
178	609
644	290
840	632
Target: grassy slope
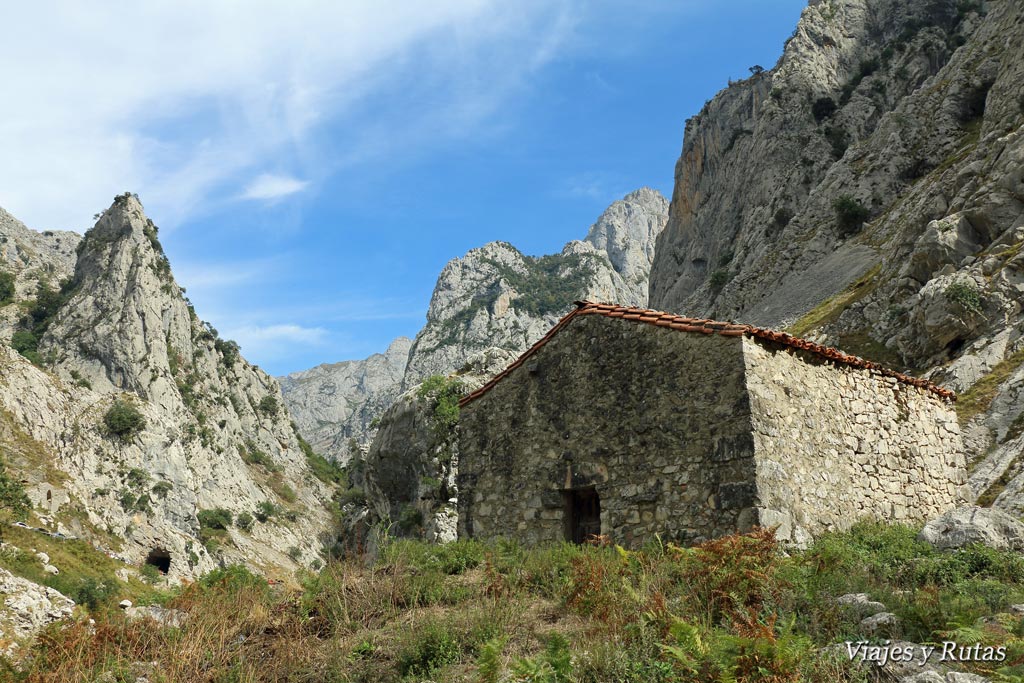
487	612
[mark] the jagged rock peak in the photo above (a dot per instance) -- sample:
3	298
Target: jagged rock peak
495	296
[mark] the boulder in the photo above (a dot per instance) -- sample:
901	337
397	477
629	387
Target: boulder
968	525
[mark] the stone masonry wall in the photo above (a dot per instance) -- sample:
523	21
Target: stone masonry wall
836	443
656	420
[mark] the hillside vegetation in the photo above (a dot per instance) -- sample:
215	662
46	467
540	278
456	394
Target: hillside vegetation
734	609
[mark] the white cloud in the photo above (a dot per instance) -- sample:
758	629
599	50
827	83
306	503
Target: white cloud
273	342
271	187
183	102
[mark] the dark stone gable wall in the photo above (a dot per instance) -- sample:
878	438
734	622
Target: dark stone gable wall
657	421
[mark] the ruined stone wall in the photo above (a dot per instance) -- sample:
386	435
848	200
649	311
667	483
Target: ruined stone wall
836	443
656	420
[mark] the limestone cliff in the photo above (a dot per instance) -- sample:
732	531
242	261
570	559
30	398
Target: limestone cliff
336	402
867	191
205	429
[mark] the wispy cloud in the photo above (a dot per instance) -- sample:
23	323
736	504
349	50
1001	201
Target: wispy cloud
205	96
272	187
272	342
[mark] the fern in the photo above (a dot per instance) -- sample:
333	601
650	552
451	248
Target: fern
489	663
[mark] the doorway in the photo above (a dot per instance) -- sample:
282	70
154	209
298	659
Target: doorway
582	514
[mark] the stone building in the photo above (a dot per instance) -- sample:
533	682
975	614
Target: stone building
629	422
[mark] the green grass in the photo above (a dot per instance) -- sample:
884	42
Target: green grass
733	609
829	310
978	398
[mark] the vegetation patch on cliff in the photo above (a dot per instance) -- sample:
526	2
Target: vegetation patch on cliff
979	397
829	310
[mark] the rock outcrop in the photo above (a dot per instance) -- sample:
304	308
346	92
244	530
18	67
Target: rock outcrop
26	608
337	402
410	469
867	192
495	296
143	417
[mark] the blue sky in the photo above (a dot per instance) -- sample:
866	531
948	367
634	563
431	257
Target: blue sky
313	165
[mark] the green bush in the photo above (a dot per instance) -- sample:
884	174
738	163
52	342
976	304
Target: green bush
444	394
718	279
838	139
162	488
850	215
93	592
823	108
268	405
229	351
6	287
244	521
266	510
429	648
966	294
124	419
216	518
24	340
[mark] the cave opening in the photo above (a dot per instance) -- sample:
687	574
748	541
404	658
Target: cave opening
159	558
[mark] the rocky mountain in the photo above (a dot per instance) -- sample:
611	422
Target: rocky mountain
135	424
336	402
867	192
494	296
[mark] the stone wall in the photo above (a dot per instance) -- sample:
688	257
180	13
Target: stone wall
657	421
836	443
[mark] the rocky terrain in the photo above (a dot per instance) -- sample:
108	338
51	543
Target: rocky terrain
132	422
493	297
867	192
334	403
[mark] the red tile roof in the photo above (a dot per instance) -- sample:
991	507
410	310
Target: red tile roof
705	326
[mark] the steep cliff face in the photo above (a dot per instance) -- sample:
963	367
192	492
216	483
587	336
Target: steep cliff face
495	296
867	192
28	258
213	434
334	403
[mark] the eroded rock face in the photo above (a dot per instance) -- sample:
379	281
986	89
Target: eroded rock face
27	607
126	334
337	402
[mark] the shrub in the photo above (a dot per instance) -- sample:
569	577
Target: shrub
14	502
429	648
24	340
268	405
718	279
782	217
229	351
244	521
444	394
150	574
162	488
822	108
124	419
93	592
850	215
966	294
294	552
216	518
265	510
6	287
838	139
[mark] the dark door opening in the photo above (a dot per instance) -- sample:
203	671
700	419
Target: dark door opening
159	558
582	515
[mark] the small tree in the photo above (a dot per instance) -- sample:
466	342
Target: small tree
124	419
14	503
822	108
756	70
217	518
850	215
6	287
268	405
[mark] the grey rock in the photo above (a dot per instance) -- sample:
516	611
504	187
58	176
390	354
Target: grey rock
861	603
161	615
968	525
878	622
27	607
337	402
